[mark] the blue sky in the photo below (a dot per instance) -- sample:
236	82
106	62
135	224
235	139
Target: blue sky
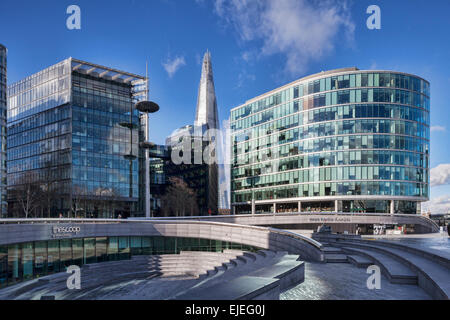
256	46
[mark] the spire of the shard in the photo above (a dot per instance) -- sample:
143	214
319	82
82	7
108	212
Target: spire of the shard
206	100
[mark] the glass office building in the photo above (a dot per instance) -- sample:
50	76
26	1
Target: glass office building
3	104
73	140
200	176
344	140
159	156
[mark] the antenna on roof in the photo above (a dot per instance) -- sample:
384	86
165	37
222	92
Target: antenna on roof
146	78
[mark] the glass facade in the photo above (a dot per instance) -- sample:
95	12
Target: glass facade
347	135
74	132
3	108
199	175
98	140
159	156
25	261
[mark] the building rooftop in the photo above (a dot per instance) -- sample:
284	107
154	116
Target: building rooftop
104	72
319	75
315	75
92	69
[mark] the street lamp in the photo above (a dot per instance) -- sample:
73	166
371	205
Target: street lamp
147	107
130	156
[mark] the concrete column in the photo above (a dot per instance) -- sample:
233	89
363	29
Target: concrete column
299	206
392	207
233	210
336	206
253	206
274	207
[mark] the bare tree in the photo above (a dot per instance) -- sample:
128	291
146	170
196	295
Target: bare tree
179	199
27	194
78	203
49	187
99	203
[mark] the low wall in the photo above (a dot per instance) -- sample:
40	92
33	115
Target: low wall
27	230
423	224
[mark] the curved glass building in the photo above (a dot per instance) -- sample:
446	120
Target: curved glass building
344	140
3	90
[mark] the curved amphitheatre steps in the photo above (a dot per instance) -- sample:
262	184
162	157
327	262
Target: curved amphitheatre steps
441	258
234	262
267	253
285	271
263	275
431	270
192	263
335	258
233	275
240	288
359	261
331	250
334	255
391	268
433	276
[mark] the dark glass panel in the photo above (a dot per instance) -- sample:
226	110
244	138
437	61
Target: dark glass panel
3	266
113	248
136	245
53	260
77	252
65	253
27	260
89	251
124	248
40	260
14	264
101	245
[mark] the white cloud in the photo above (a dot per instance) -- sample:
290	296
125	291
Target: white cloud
172	66
440	175
301	30
437	205
437	128
198	59
246	56
244	77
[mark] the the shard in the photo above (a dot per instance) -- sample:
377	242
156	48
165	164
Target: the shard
201	176
206	113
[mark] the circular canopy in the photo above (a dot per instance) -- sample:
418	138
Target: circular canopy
147	145
130	157
147	106
128	125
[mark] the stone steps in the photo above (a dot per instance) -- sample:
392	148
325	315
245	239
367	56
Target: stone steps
195	263
335	258
113	279
433	277
244	278
391	268
331	250
359	261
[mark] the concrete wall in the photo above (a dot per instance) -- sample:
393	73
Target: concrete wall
423	224
261	237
